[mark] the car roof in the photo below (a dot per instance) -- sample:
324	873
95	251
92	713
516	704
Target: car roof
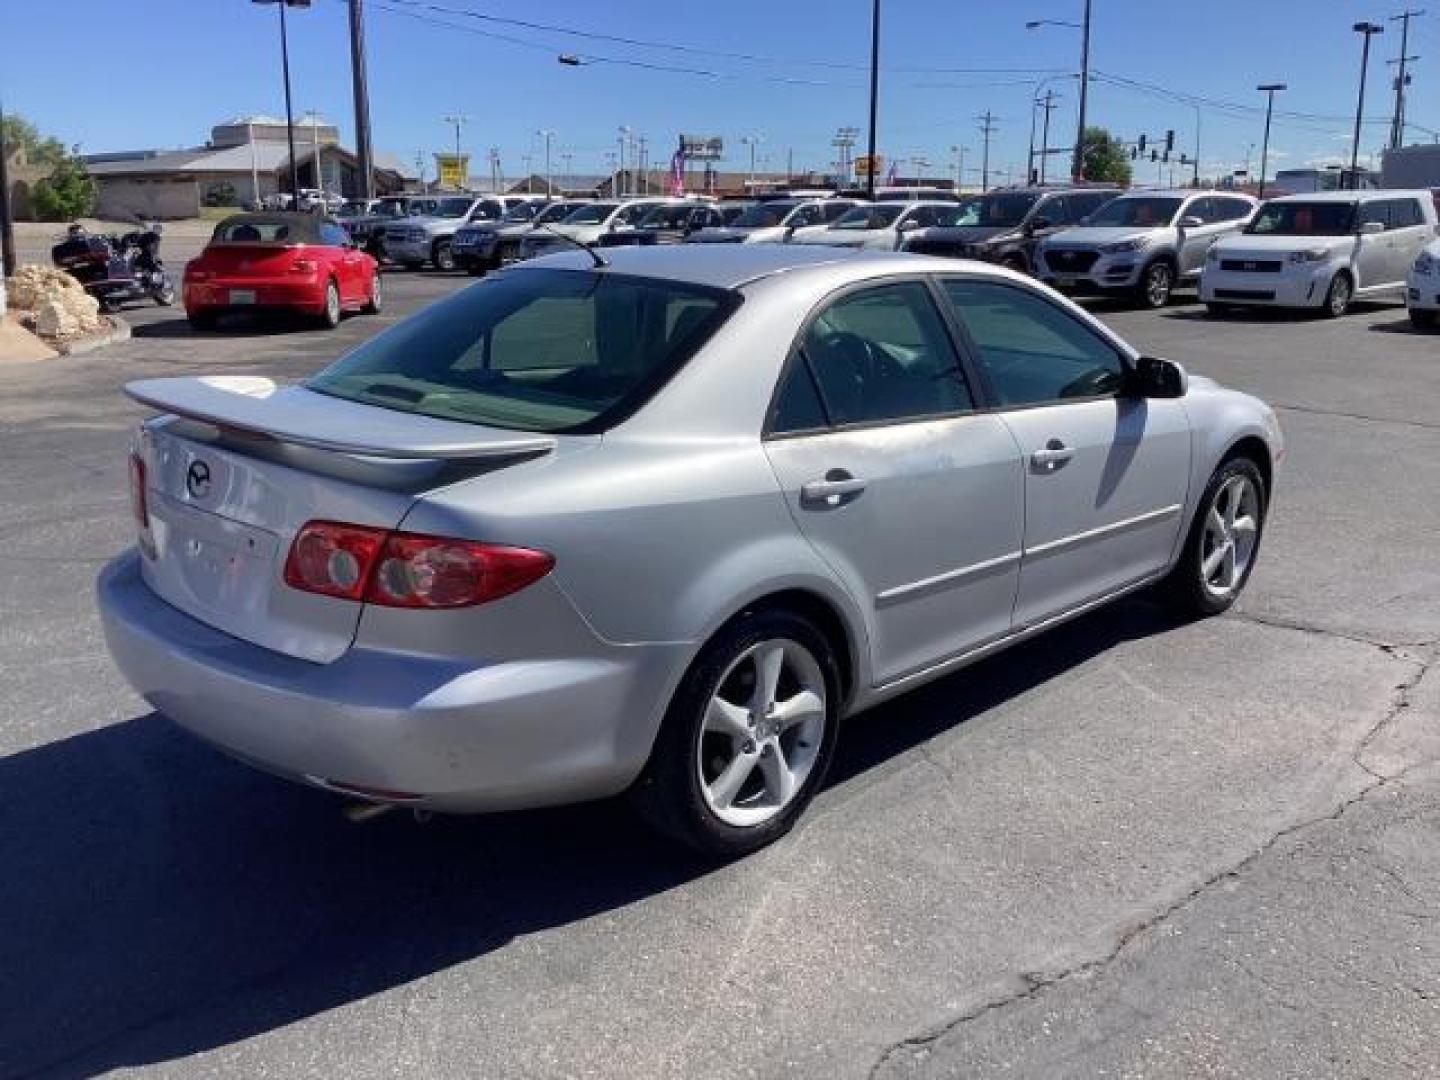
729	266
1351	196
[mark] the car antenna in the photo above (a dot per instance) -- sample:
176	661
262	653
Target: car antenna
600	262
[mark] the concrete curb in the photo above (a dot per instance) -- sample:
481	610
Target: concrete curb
119	331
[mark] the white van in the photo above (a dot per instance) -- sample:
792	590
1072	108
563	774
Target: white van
1320	251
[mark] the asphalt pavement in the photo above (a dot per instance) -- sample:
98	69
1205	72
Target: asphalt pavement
1131	847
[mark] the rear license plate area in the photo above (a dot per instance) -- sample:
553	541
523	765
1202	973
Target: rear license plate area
242	296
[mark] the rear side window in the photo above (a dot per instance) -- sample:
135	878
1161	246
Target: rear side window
534	350
1375	210
1233	209
1405	214
1204	209
834	211
882	354
1032	351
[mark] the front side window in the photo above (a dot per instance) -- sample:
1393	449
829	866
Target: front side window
1317	218
554	212
881	354
876	216
451	208
1233	209
764	215
834	211
591	214
1375	210
534	350
804	216
1204	209
1032	351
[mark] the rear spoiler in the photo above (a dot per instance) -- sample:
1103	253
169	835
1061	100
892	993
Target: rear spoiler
253	405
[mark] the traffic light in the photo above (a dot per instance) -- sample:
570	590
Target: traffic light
1134	153
1154	155
1142	144
1169	140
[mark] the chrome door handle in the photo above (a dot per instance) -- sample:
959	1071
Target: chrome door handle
837	488
1055	454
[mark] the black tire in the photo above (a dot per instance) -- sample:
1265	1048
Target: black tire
475	269
376	303
201	320
1216	311
669	793
329	317
1421	319
1157	283
412	265
1338	296
1185	586
442	256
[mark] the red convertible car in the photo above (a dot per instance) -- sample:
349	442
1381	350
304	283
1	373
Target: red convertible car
302	263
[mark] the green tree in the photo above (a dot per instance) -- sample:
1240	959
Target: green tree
1106	159
39	149
67	193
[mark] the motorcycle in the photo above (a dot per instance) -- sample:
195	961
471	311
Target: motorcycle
117	268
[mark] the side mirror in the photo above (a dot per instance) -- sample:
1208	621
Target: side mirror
1039	224
1370	228
1190	221
1156	377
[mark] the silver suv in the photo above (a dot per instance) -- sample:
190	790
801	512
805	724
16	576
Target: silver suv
1144	244
417	240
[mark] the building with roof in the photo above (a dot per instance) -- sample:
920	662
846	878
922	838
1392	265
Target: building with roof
245	159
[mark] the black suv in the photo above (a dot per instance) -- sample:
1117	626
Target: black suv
1006	226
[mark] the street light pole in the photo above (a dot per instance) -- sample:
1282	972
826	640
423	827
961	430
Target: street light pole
364	155
459	121
1049	107
874	93
547	135
1079	166
289	111
1367	30
7	221
1268	89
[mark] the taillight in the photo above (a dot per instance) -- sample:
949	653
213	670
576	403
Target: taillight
139	508
304	266
397	569
194	273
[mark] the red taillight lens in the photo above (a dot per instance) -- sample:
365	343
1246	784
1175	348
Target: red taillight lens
304	266
406	569
333	559
138	506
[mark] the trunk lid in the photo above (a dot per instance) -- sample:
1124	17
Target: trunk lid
236	466
248	258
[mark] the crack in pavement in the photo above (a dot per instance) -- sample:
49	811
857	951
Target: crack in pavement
1032	984
1311	411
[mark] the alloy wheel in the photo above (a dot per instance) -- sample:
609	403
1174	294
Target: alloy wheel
762	732
1232	529
1339	298
332	304
1157	284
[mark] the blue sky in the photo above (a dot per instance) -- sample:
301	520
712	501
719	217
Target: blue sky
211	59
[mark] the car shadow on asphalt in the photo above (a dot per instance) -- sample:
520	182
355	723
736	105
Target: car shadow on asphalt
1261	316
159	900
231	326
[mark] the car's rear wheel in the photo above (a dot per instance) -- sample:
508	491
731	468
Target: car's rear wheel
1422	319
330	312
747	738
1223	541
1157	282
377	295
442	256
1338	296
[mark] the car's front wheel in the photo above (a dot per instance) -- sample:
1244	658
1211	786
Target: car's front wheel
443	257
1422	319
1157	282
377	295
747	738
1338	296
1223	541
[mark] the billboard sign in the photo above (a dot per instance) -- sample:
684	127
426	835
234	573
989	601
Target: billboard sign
702	147
452	170
865	165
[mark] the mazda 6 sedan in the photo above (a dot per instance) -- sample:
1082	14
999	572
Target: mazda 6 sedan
655	520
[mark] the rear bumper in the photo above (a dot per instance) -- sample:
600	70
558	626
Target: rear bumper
1423	293
457	737
307	296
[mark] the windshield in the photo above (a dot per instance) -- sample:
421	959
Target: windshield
1143	212
523	212
1304	219
996	211
352	209
673	216
451	208
389	208
555	212
591	213
870	217
534	350
764	215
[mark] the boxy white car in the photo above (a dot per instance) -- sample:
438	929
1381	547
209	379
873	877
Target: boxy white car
1422	287
882	226
1320	251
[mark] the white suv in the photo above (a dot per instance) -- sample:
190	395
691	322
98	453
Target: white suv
1320	251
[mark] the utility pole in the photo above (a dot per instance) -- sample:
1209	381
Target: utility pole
1402	79
1078	169
620	169
289	110
494	158
315	149
7	218
959	152
643	163
1368	30
1049	106
789	164
1268	89
547	134
987	128
459	121
844	143
751	141
874	93
363	153
1195	176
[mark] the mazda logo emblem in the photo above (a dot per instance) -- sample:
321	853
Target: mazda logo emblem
197	479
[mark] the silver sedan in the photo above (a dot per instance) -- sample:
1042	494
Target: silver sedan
655	521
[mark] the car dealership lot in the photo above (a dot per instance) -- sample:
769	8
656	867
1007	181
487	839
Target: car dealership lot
1128	846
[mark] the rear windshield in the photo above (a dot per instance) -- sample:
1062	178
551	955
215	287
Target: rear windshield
534	350
255	230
